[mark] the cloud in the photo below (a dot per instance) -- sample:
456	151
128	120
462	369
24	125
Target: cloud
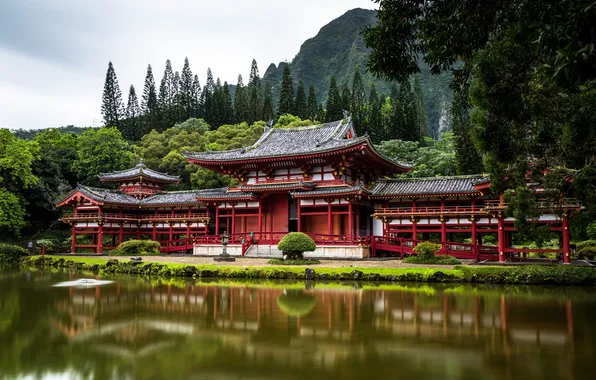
58	51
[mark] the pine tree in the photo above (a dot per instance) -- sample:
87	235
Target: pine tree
313	104
227	105
421	116
112	108
255	94
334	107
301	105
346	97
410	130
358	103
207	97
166	97
241	102
196	97
132	130
149	100
397	115
286	94
178	111
268	111
373	119
467	157
187	92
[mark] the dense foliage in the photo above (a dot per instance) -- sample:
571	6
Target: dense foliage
11	253
137	248
294	244
526	69
293	262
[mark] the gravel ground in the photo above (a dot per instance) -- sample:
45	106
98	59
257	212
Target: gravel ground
245	262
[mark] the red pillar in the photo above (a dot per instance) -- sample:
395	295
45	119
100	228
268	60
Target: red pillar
154	231
120	233
357	220
299	216
350	220
565	231
233	219
171	232
216	219
260	221
139	231
474	246
329	230
99	237
444	234
501	236
73	244
187	235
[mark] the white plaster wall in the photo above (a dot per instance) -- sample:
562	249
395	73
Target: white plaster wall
216	249
377	226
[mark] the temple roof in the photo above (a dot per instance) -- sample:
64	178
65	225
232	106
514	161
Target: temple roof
139	171
324	191
455	185
300	141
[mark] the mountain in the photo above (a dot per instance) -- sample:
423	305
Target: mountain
338	49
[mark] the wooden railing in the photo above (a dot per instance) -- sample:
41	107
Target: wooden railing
132	217
437	210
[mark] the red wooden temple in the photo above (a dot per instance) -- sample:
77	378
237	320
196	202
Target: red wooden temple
322	180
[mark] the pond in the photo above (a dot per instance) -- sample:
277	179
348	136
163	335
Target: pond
147	328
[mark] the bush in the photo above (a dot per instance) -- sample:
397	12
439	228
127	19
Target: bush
295	243
137	248
427	250
53	246
435	260
293	262
11	253
295	303
587	253
586	243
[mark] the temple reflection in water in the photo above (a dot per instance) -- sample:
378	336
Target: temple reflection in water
325	332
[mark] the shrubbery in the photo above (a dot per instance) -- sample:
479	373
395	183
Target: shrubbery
586	243
11	253
587	253
293	262
294	244
137	248
425	254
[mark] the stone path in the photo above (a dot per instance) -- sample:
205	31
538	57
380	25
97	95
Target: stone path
246	262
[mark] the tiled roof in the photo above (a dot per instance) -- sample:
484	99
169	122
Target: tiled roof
427	186
289	141
139	171
277	186
330	190
107	195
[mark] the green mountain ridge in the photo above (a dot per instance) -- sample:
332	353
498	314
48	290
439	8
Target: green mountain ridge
338	49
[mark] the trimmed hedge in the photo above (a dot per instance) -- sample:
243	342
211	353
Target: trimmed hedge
137	248
11	253
295	243
427	250
293	262
587	253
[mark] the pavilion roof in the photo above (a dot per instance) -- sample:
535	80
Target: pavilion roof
325	191
432	186
139	171
292	142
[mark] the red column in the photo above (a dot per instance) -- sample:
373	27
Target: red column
501	236
139	231
474	246
233	219
350	220
171	232
154	231
99	237
260	221
299	216
565	231
444	234
73	244
329	230
120	233
187	235
216	219
357	214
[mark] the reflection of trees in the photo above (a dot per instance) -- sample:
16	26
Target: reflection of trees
296	303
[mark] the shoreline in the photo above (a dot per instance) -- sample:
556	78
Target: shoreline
157	266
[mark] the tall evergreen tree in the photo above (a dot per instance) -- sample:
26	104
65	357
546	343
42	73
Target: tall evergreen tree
346	97
313	104
178	111
301	105
255	94
286	94
132	130
421	116
397	115
196	98
410	130
207	97
166	97
467	157
187	92
112	107
268	112
241	106
373	119
334	106
358	103
254	79
227	105
149	101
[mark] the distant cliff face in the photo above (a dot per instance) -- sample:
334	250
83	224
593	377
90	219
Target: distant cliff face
337	50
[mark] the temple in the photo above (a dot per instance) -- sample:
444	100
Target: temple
323	180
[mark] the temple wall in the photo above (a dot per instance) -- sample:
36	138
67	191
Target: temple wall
216	249
322	252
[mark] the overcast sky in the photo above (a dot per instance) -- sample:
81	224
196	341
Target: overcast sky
54	53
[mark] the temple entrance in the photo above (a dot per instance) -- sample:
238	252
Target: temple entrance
292	214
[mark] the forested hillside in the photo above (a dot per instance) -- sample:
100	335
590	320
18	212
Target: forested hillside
338	49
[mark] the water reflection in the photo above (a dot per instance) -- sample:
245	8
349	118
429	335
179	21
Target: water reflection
139	328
